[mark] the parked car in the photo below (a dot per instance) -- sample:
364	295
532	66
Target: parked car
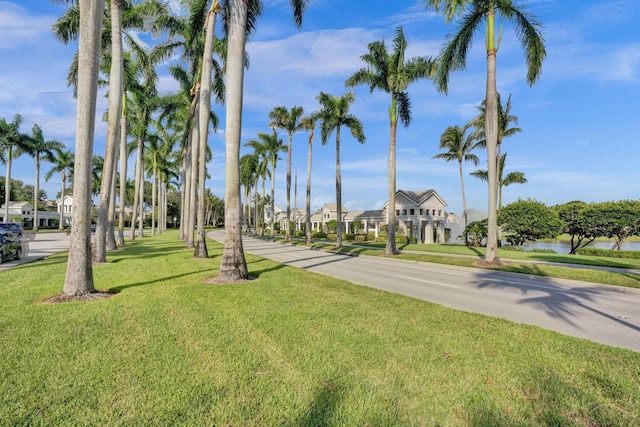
10	245
14	227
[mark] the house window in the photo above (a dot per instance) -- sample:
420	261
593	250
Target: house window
397	211
433	212
404	211
439	213
412	212
421	211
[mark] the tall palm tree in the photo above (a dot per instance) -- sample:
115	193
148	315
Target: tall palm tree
204	110
116	86
288	121
515	177
453	57
40	149
62	161
79	277
11	139
458	145
332	115
388	72
240	20
309	124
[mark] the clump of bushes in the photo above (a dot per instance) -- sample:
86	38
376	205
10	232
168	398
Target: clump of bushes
349	236
319	235
609	253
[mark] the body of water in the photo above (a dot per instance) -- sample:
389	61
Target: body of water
562	247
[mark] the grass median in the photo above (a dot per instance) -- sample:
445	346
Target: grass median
289	348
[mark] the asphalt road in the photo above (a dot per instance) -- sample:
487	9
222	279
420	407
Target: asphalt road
605	314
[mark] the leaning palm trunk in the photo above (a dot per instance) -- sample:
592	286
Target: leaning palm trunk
115	105
464	198
123	170
79	276
390	249
204	110
194	178
233	266
491	134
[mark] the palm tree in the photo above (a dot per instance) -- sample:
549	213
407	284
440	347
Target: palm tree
248	179
62	161
309	124
458	146
453	57
79	277
505	118
289	121
333	114
503	181
390	73
40	148
11	138
240	20
272	146
116	87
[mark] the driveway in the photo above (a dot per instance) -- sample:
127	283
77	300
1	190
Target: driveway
600	313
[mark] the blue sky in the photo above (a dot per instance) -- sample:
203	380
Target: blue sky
580	121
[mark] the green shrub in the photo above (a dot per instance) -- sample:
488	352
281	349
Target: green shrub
349	236
319	235
609	253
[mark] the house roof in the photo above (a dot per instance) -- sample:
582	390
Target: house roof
419	197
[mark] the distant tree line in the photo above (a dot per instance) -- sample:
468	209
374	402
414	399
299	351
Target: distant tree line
530	220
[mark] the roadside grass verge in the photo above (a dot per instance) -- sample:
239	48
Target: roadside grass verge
289	348
515	262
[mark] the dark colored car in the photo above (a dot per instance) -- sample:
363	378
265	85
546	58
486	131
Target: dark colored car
10	246
14	227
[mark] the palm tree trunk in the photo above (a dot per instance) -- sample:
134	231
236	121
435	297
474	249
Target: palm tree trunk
491	134
273	196
391	207
64	183
193	179
233	266
111	216
154	197
79	276
123	170
115	105
184	198
136	192
7	187
205	109
287	235
464	198
262	208
141	196
36	197
309	155
338	190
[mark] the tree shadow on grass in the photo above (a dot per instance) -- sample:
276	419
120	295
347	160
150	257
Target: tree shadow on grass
323	406
120	288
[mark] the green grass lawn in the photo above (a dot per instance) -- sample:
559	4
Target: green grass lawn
290	348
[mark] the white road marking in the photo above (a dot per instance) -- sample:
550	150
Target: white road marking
428	281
